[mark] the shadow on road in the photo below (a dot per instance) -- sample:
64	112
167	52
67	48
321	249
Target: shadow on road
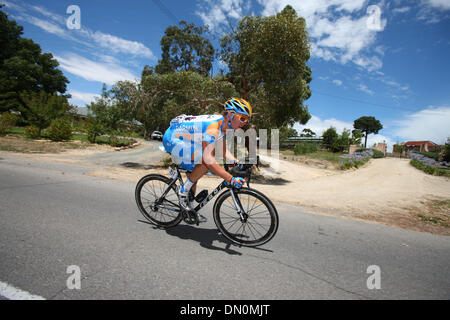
135	165
205	237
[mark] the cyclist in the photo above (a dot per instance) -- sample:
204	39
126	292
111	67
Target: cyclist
191	141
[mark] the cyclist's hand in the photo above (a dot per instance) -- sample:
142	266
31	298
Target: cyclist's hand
237	182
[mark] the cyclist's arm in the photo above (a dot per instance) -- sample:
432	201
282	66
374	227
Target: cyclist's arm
227	154
210	162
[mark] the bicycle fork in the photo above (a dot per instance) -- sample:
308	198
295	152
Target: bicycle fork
238	205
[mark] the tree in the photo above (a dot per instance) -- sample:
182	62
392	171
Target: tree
329	138
158	98
106	114
356	137
307	133
185	49
266	59
287	132
367	125
42	108
342	142
399	148
23	68
446	151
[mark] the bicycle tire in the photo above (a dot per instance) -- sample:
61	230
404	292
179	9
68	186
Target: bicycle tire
166	215
225	221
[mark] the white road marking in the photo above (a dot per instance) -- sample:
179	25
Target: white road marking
9	292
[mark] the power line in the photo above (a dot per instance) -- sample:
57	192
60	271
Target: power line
166	11
365	102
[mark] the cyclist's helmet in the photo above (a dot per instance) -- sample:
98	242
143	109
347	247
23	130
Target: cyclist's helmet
239	106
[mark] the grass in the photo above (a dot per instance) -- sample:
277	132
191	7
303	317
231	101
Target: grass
18	143
120	142
435	220
319	155
17	130
438	212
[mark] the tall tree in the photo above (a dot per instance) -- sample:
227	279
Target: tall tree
185	49
266	58
42	108
105	112
23	67
367	125
330	136
307	133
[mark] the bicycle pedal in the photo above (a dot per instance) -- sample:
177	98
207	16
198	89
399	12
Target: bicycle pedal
201	196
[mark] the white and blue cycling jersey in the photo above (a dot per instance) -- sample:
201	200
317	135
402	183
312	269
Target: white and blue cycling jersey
186	134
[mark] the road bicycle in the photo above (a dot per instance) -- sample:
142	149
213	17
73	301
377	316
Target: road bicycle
243	215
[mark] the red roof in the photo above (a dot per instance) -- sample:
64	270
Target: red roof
419	143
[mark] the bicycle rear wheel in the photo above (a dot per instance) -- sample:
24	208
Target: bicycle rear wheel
162	211
262	217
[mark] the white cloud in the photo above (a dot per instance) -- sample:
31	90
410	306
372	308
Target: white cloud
215	13
338	28
439	4
116	44
12	6
79	97
374	139
45	25
108	73
318	125
337	82
401	10
336	33
433	11
56	24
428	124
363	88
56	17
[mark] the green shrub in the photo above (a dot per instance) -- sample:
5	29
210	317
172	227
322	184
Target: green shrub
59	130
94	129
7	121
32	132
432	155
446	156
377	154
429	170
304	148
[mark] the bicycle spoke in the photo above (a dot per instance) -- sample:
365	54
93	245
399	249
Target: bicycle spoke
167	212
261	223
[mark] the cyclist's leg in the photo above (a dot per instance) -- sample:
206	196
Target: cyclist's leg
199	171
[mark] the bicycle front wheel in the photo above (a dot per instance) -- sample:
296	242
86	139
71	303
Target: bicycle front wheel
262	217
157	201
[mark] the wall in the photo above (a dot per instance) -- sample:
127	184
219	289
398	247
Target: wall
381	146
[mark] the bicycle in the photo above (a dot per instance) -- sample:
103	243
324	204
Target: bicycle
238	213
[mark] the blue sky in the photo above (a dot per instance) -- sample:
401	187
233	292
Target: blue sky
387	59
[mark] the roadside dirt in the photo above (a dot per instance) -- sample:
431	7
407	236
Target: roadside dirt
388	191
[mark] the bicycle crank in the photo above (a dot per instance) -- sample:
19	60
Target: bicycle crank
189	217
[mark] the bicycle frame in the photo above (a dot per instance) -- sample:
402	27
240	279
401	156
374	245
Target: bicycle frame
219	188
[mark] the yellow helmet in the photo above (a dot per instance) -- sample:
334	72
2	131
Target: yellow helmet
239	106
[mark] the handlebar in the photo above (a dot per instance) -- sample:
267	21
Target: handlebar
244	169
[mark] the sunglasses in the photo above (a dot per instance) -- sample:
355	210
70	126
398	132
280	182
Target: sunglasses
242	119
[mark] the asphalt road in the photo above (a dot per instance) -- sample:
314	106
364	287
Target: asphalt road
52	217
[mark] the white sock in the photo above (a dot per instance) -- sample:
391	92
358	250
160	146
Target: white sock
187	186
